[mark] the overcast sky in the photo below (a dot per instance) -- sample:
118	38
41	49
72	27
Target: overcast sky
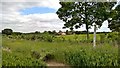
32	15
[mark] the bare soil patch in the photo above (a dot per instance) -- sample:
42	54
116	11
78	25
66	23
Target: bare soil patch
54	64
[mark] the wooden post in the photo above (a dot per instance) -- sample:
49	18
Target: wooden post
94	38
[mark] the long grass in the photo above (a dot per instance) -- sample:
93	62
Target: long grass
68	52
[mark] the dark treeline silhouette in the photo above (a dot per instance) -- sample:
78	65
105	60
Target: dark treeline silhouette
8	31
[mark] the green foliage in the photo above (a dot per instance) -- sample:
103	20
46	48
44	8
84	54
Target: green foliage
10	59
118	38
16	33
75	14
88	57
49	38
7	31
114	23
48	57
102	38
113	37
33	53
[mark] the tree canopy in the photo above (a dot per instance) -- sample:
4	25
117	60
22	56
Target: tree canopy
114	23
75	14
7	31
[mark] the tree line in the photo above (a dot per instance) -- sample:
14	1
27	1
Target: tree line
8	31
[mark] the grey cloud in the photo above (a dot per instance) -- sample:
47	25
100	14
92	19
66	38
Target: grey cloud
33	22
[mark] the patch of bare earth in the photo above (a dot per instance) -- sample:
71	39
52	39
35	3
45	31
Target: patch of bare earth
54	64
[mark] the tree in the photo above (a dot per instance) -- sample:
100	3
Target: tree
60	31
54	32
50	32
37	32
7	31
45	32
114	22
16	33
67	32
100	13
75	14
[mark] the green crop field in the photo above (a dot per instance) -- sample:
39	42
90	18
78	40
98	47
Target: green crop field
72	50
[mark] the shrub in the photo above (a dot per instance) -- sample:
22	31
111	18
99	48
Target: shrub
35	54
96	57
102	38
18	61
7	31
113	37
49	38
48	57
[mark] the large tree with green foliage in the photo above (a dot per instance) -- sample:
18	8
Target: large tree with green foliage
75	14
114	23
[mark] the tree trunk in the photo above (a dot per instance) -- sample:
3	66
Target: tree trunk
87	31
86	22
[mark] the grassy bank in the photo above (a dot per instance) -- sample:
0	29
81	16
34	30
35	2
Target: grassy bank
16	51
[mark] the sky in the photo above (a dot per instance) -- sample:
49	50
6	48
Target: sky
34	15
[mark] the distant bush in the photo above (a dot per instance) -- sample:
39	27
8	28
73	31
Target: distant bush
7	31
16	33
